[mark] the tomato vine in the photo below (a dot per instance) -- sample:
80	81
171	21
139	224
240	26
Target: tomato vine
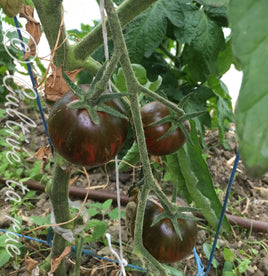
191	82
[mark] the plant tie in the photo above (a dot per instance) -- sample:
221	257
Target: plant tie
69	234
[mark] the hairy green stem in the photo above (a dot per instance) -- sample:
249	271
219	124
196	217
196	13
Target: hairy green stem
101	85
58	193
50	13
180	112
132	85
79	244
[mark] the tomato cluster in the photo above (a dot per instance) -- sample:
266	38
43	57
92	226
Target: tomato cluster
161	239
152	113
78	139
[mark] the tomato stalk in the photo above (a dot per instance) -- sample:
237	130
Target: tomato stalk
133	88
58	193
50	13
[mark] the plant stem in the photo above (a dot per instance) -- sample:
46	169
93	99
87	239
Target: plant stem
101	85
50	14
180	112
79	244
59	198
132	87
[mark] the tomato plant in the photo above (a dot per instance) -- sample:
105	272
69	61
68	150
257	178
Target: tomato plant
187	54
161	239
152	113
78	139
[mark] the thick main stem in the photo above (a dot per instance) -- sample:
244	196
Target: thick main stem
50	14
58	193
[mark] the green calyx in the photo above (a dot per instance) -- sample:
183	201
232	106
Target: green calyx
177	119
183	213
92	100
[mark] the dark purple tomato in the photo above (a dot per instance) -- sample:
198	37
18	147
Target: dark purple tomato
161	240
80	141
154	112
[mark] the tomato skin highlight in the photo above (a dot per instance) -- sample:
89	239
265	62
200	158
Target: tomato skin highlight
161	240
79	140
154	112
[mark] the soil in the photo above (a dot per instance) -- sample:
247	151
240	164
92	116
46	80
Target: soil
249	198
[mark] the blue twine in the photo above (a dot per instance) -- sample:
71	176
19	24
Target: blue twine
200	266
33	83
49	236
20	235
223	212
84	251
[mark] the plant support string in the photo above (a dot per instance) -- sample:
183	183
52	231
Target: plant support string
33	83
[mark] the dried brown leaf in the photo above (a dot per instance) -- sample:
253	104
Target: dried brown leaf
55	85
157	159
11	7
32	27
30	263
55	262
43	153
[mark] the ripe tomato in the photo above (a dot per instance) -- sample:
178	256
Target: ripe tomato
78	139
151	113
161	240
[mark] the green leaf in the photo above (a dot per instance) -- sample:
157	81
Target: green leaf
99	229
204	39
218	14
249	24
215	3
174	12
198	102
244	265
146	33
228	255
173	271
224	107
40	220
153	86
132	157
198	181
3	238
228	269
225	59
107	204
113	214
4	257
224	116
207	250
176	176
92	212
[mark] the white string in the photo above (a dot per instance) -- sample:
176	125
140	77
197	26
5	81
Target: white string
104	35
122	261
69	234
